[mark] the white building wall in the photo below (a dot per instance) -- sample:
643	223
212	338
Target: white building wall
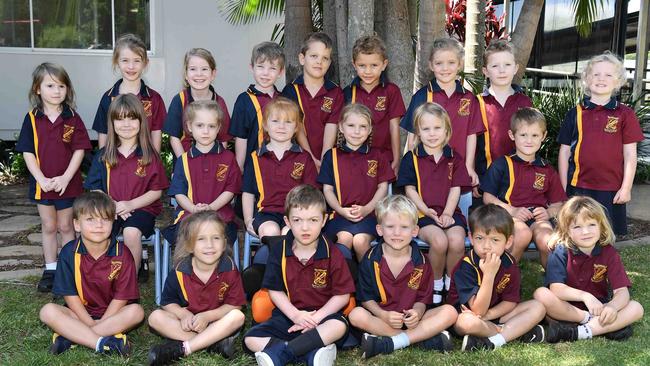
176	27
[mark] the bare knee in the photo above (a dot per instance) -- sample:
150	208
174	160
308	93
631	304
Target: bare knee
636	309
543	295
134	312
65	226
48	312
466	323
238	318
358	317
48	226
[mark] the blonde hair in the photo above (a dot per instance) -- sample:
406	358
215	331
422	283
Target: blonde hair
188	231
369	45
200	53
607	56
189	115
435	110
354	109
128	106
577	207
397	204
283	108
496	46
133	43
448	44
56	72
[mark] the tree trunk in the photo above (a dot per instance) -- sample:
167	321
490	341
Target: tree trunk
297	25
361	20
413	17
474	36
329	27
398	44
344	56
524	34
431	25
380	19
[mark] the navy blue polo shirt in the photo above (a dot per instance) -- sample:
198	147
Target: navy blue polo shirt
376	281
247	118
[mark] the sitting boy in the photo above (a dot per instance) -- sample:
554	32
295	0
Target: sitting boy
309	283
485	287
96	277
395	286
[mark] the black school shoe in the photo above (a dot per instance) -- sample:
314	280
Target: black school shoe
60	344
225	347
46	282
562	332
620	335
472	343
535	335
373	345
440	342
165	353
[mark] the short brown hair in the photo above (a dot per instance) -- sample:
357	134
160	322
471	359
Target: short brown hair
94	203
448	44
499	45
316	37
127	106
56	72
203	105
132	42
268	51
491	218
304	196
369	45
528	116
188	230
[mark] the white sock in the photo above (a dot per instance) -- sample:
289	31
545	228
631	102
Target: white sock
400	341
50	266
447	282
186	348
587	318
497	340
438	286
97	344
584	332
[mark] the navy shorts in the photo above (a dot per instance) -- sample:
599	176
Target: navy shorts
459	220
141	220
339	223
617	213
262	217
278	324
59	204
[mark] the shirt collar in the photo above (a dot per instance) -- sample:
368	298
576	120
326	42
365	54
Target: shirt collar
537	162
216	149
322	248
594	252
506	259
417	258
383	79
263	149
225	265
190	99
66	112
434	87
447	151
486	90
588	104
252	89
112	250
115	90
329	84
364	149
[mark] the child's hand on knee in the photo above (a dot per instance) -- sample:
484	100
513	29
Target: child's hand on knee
593	304
608	315
522	214
541	214
393	318
199	322
186	322
446	220
411	318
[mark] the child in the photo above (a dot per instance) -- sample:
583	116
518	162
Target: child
583	270
394	288
485	287
203	295
130	56
498	102
207	177
267	65
200	69
96	277
434	164
598	157
53	139
354	177
129	170
310	283
320	100
372	89
274	169
526	185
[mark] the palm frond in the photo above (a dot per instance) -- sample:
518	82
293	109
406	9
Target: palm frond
239	12
586	12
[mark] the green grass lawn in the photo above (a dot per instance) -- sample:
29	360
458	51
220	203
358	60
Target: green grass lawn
25	341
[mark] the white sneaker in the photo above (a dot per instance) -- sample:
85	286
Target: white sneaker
263	359
325	356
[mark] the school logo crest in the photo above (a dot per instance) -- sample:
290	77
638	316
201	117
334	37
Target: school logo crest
381	104
147	107
463	107
328	102
450	170
540	179
612	124
68	131
140	171
116	267
372	168
320	278
298	169
415	279
505	280
223	288
600	270
222	172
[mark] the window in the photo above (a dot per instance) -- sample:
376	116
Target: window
72	24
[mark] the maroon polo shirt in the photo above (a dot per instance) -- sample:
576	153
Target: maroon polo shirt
433	180
413	284
99	281
53	144
355	175
185	288
598	273
270	179
523	184
308	286
203	177
385	102
596	141
319	110
495	142
466	279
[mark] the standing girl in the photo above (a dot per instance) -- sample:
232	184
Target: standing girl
129	170
354	177
199	71
587	284
274	169
130	56
433	174
203	295
53	139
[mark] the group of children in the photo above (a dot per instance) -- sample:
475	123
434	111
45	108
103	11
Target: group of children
287	147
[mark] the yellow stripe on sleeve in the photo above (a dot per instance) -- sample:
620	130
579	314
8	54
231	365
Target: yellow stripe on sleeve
417	177
260	118
486	135
258	180
478	274
380	286
77	273
38	160
511	179
179	276
576	157
188	177
354	94
284	267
